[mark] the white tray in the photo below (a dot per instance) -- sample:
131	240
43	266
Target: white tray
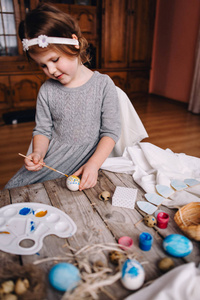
31	221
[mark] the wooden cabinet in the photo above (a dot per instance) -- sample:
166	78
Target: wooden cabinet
89	22
19	81
25	89
127	28
140	31
5	101
114	39
19	91
120	36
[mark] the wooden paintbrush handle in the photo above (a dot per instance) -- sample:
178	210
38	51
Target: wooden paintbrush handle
43	164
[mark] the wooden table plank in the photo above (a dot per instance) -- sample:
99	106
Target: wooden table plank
121	222
52	245
128	181
6	257
97	222
90	227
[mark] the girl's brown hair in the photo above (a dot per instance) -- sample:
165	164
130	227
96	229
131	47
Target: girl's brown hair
48	20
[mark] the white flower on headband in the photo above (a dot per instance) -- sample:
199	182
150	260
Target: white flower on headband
42	41
25	44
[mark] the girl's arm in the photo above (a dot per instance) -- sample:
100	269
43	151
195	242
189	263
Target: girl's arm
40	146
89	170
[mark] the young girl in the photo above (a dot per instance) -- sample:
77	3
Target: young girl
77	112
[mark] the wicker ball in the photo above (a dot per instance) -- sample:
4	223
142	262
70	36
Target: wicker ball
188	220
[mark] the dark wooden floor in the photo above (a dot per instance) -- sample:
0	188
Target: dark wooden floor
167	122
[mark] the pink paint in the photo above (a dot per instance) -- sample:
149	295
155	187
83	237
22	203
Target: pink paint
162	220
125	241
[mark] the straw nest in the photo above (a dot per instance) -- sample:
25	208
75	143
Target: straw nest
188	220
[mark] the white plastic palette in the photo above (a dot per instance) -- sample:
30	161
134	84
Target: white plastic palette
31	221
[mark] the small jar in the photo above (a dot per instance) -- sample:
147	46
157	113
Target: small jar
162	220
145	241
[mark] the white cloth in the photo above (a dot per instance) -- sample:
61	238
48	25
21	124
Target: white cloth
151	165
181	283
132	129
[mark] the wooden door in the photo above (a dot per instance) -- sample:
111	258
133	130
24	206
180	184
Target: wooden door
141	15
114	34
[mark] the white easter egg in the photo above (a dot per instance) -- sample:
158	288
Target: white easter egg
72	183
133	274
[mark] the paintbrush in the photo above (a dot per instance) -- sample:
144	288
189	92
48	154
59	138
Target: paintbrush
43	164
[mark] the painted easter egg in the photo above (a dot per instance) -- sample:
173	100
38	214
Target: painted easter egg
133	274
150	221
64	277
177	245
72	183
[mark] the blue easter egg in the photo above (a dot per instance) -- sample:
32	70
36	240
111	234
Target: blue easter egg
133	274
177	245
64	277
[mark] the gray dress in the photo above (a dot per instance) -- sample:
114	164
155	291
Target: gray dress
74	120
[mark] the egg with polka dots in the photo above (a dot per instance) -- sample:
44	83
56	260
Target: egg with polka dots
150	221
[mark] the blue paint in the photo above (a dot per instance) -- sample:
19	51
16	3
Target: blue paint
64	277
25	211
32	226
145	241
177	245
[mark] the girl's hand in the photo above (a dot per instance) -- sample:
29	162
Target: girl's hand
89	172
32	163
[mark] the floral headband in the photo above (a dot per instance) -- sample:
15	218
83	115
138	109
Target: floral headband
43	41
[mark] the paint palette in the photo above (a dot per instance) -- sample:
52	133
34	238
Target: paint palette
21	223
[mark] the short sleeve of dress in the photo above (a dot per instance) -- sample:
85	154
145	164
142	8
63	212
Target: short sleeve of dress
110	113
43	117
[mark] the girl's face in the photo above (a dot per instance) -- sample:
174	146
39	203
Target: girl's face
59	66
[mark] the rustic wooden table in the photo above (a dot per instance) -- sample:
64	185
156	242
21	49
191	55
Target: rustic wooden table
97	222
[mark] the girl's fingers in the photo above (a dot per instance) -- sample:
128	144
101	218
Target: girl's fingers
87	183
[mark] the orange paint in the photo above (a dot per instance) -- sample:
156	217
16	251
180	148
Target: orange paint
41	214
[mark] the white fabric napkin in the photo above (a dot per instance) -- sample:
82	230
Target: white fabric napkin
151	165
181	283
